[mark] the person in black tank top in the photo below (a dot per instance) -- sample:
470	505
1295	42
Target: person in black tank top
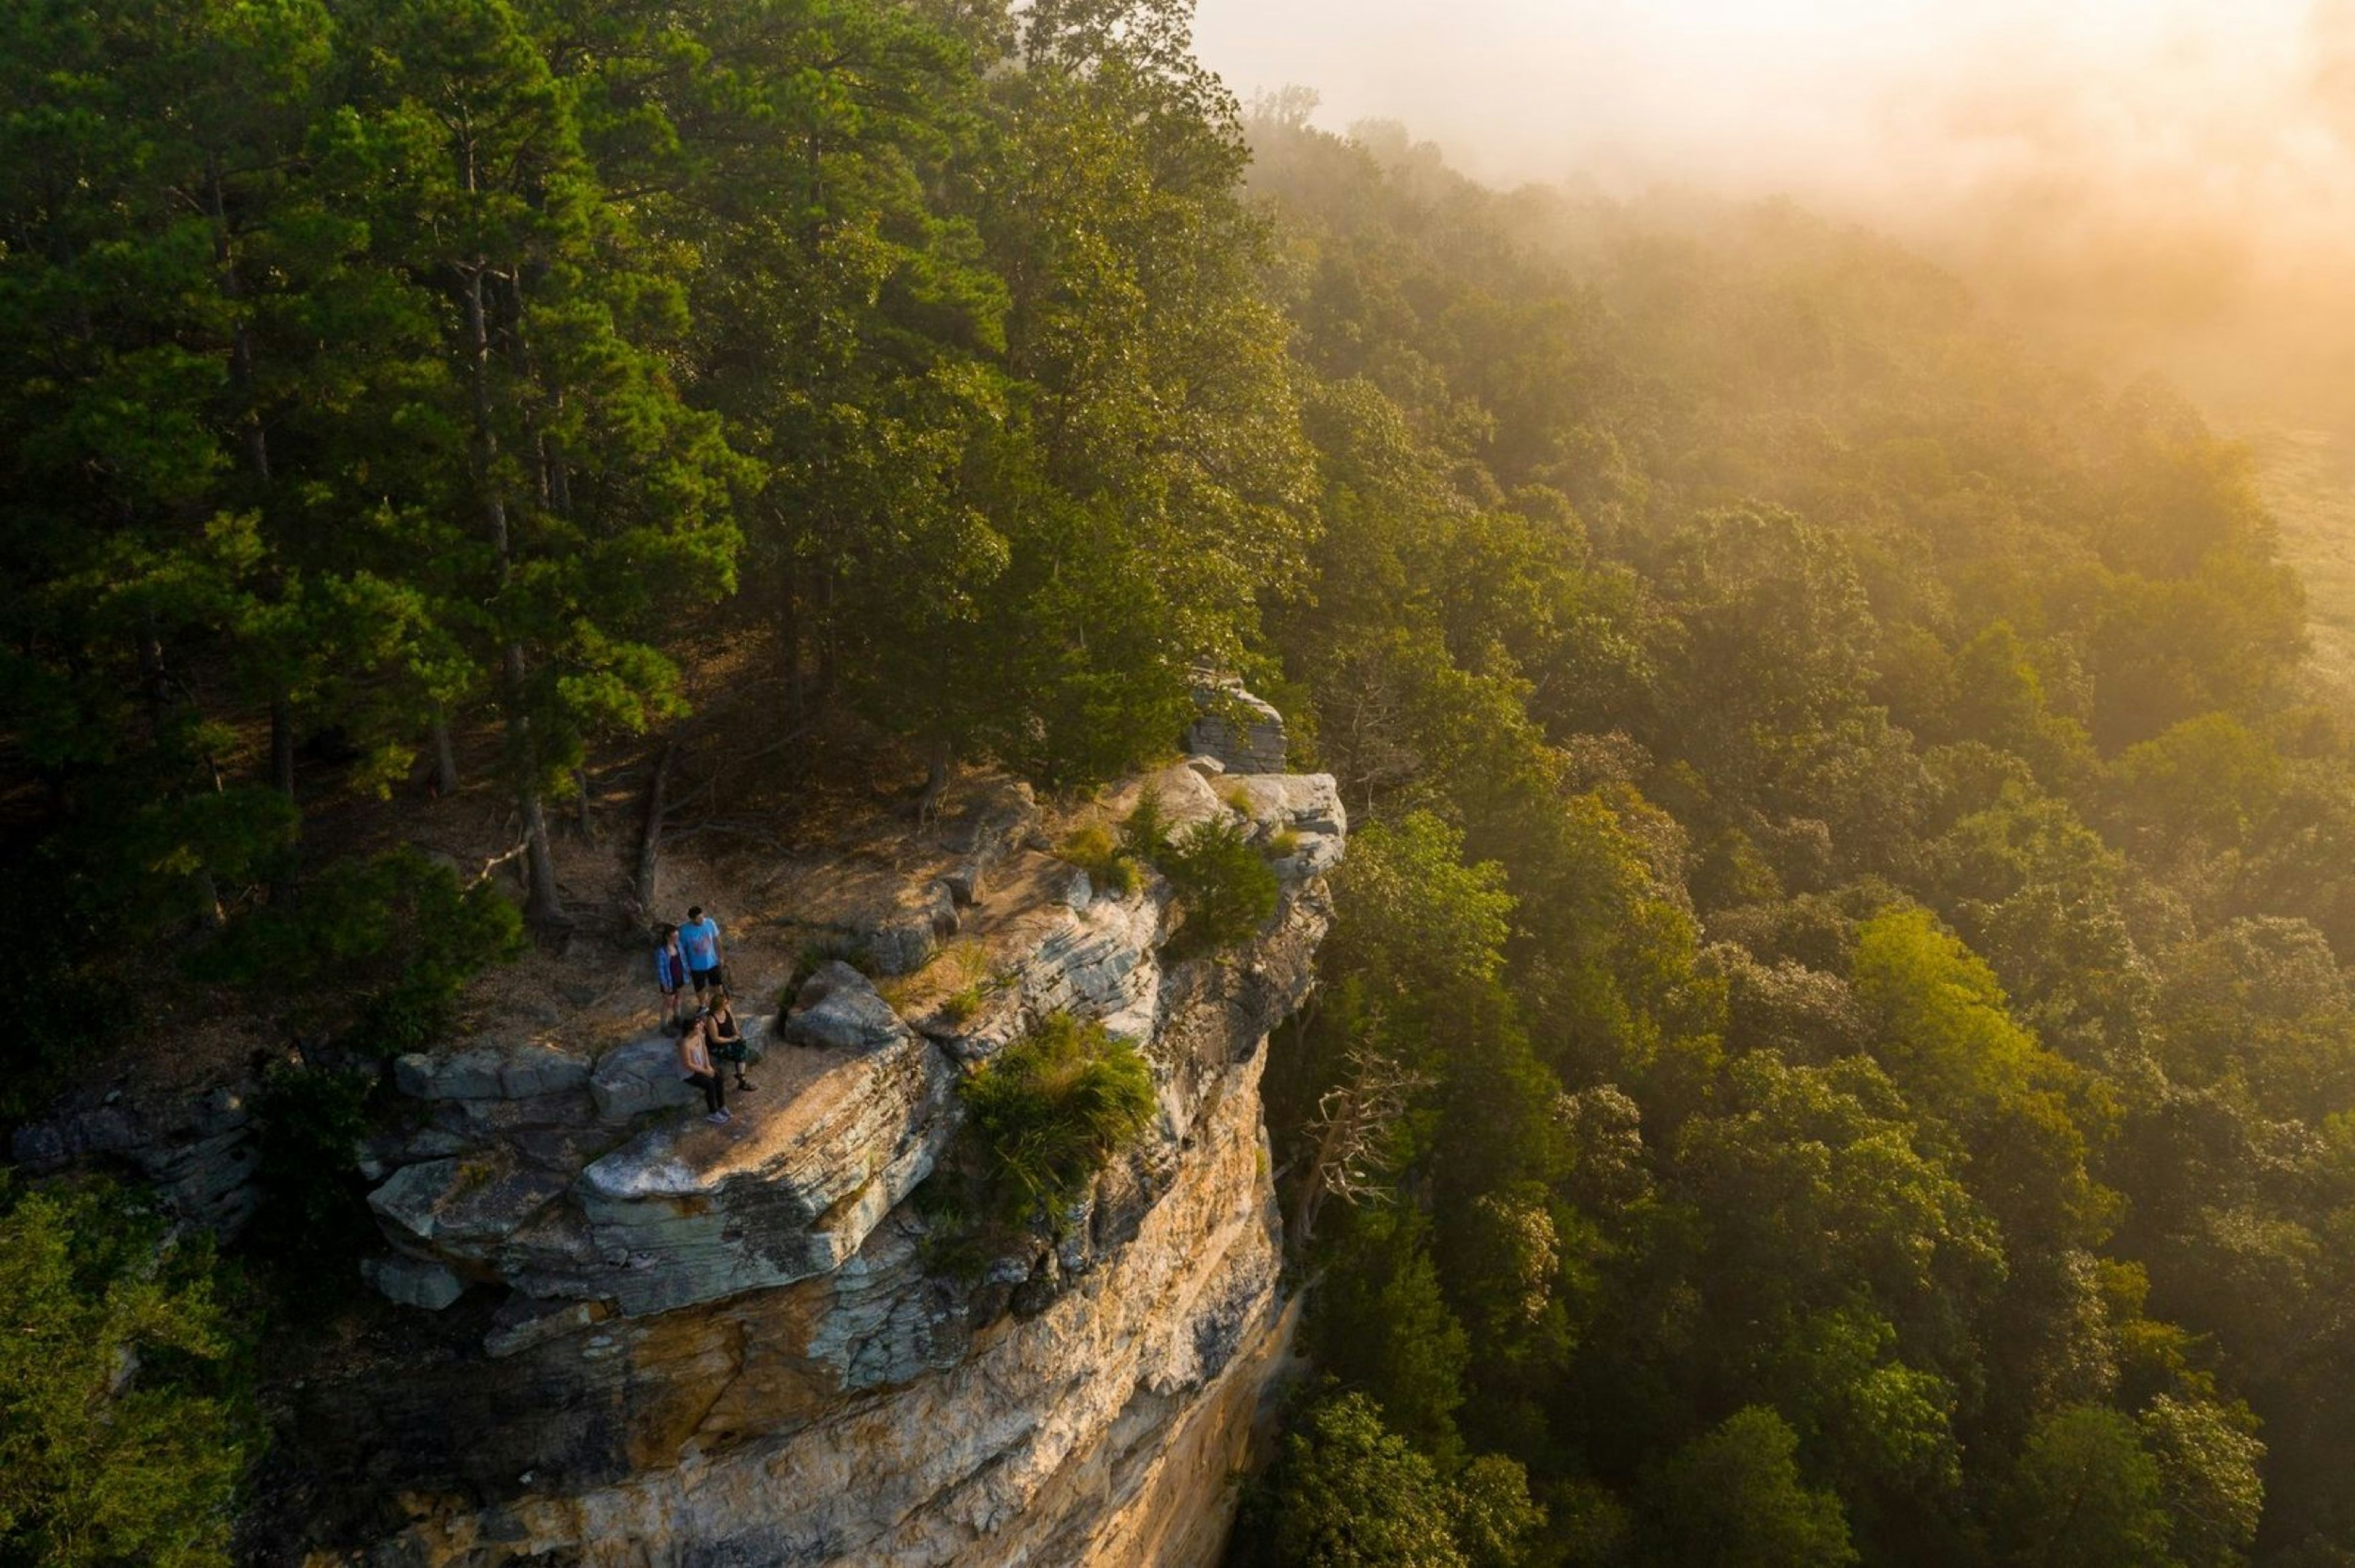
728	1039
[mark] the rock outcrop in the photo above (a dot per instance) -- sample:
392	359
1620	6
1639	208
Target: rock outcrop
758	1343
197	1153
1242	733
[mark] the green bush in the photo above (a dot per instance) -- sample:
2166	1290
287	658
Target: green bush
56	949
1110	866
1144	832
1345	1490
374	951
124	1418
1225	885
1050	1110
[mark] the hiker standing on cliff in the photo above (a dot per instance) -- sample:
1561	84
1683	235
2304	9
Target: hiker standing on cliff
694	1065
699	939
671	976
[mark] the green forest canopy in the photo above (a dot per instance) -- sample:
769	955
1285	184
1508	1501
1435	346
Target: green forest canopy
1847	857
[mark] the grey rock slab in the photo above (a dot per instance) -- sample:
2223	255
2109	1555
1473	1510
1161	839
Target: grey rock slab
967	882
477	1120
472	1075
1305	803
106	1130
787	1190
413	1282
41	1147
1098	963
997	817
540	1069
524	1323
639	1077
491	1072
465	1206
221	1109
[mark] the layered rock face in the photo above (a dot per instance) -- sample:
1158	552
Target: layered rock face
741	1344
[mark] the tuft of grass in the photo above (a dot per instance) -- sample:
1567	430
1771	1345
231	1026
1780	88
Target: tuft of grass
899	992
963	966
967	962
1282	844
1052	1109
1237	799
1111	868
1145	833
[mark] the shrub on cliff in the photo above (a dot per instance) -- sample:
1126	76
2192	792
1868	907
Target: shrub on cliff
123	1429
1110	867
1052	1109
1225	885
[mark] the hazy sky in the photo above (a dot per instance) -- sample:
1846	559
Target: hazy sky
2183	157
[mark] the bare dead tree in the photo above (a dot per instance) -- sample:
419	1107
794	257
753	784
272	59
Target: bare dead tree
1367	729
1350	1138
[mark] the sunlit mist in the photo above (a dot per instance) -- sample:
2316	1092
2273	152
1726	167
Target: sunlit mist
2170	178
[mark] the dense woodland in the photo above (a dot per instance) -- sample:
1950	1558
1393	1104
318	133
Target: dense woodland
1835	1046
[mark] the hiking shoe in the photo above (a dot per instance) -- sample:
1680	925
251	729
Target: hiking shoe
746	1086
718	1118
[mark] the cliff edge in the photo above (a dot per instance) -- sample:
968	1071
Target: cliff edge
760	1343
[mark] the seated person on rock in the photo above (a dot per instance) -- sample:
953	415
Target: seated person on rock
694	1065
727	1037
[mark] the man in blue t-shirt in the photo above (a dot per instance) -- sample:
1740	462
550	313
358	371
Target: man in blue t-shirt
698	939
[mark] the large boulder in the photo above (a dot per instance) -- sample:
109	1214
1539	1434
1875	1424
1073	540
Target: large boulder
905	939
1244	733
837	1009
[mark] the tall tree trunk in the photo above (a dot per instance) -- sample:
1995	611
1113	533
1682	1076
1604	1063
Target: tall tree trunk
281	779
650	827
155	685
543	905
789	633
281	747
585	817
445	761
940	758
256	441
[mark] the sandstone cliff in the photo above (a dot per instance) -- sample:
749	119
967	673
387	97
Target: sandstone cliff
744	1344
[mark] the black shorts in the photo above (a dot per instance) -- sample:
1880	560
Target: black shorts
705	979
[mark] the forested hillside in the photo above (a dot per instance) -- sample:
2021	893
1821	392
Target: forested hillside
1835	1047
1855	904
